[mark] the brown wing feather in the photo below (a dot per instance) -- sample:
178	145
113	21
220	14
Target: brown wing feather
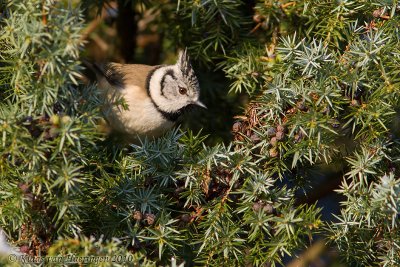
128	74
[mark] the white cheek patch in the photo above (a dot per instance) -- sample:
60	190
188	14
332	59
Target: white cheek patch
168	84
164	102
155	89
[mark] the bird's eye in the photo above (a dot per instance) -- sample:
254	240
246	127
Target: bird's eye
182	90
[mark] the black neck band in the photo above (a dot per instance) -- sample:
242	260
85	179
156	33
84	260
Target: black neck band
171	116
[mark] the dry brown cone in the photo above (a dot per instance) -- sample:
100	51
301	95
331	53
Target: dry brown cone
245	124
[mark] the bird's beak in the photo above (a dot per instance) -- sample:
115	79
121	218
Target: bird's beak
198	103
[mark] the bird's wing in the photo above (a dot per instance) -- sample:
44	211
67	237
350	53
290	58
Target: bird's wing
138	74
111	72
118	75
106	73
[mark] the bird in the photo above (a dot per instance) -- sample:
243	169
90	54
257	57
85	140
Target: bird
146	101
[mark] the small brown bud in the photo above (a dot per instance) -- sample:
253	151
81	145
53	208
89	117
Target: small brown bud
268	208
280	128
150	218
280	135
24	249
355	103
255	138
137	215
301	106
271	131
273	152
237	126
185	218
377	13
24	187
273	141
257	206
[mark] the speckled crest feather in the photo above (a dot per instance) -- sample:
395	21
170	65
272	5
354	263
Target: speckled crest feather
187	70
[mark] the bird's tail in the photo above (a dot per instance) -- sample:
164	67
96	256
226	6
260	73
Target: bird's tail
94	68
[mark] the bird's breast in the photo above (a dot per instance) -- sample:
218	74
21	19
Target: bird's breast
141	116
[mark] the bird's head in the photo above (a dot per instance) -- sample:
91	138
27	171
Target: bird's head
173	88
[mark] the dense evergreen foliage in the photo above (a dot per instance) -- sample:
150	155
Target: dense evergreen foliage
314	88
